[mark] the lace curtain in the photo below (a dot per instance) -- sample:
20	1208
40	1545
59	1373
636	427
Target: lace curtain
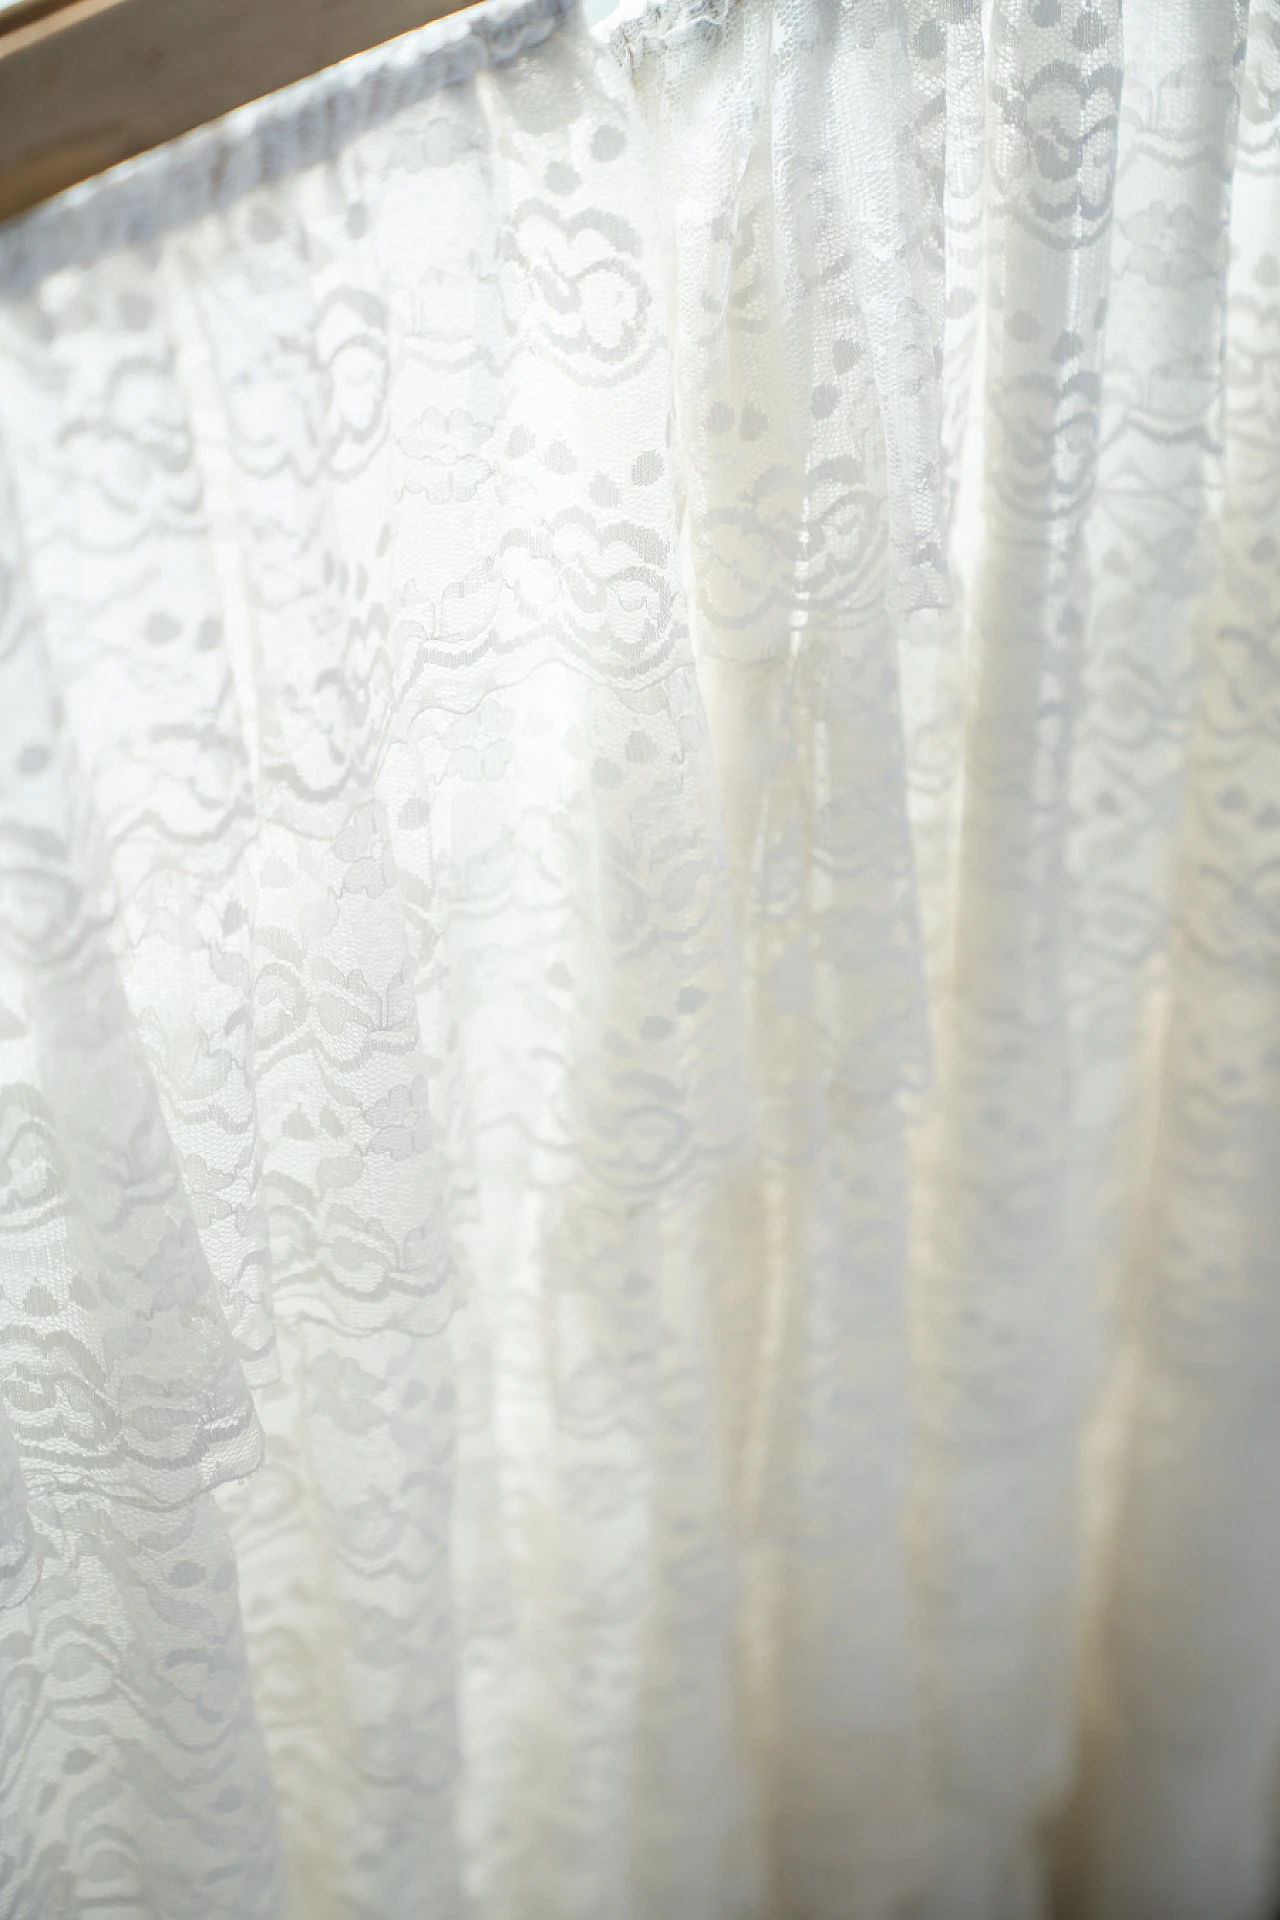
640	983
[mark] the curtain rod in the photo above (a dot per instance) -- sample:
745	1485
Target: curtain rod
87	83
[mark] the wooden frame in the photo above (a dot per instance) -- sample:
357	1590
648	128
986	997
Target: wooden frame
87	83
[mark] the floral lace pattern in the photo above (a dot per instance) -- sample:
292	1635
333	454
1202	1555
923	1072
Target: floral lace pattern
639	792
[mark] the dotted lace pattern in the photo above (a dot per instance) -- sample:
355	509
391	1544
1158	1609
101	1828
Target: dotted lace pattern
639	792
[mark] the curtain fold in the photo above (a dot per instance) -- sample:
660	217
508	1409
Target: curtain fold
639	1006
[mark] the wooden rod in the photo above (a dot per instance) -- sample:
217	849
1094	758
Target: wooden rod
87	83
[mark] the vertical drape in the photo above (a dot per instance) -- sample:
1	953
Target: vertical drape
639	993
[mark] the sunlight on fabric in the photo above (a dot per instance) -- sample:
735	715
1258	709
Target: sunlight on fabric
639	794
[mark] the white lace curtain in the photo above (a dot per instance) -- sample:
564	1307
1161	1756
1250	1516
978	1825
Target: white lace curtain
640	983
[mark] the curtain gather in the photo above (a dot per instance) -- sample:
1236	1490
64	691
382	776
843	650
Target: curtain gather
640	980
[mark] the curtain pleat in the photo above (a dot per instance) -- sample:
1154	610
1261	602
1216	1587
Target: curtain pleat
639	988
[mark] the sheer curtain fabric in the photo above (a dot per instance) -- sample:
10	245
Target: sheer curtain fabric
640	980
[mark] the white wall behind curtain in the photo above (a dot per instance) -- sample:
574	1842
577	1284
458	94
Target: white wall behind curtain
640	983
